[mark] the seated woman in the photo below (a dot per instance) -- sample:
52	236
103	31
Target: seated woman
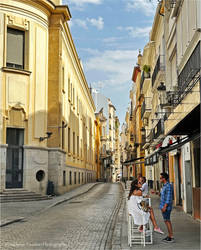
140	217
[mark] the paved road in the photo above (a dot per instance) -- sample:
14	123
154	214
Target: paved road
85	222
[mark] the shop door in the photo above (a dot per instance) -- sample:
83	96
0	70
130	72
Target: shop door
179	181
14	158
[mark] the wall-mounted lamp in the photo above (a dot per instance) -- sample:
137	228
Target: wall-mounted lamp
162	92
45	137
143	131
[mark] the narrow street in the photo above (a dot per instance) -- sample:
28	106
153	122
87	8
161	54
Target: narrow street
85	222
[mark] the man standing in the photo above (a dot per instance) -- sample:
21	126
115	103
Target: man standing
166	205
145	189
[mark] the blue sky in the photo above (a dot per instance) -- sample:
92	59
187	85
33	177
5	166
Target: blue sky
108	35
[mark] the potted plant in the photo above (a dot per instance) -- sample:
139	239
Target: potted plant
147	69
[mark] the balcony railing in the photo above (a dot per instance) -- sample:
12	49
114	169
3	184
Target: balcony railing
160	66
143	140
190	73
146	107
158	129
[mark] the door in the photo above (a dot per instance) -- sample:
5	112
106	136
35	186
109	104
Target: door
14	158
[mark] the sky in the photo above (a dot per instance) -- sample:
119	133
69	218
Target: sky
108	35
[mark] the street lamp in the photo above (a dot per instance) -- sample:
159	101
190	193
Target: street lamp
162	93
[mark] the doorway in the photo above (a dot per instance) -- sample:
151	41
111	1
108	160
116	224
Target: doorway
14	157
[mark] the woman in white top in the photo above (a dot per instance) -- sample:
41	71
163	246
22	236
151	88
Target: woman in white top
140	217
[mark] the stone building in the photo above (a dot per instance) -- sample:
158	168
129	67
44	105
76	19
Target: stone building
170	107
107	111
47	112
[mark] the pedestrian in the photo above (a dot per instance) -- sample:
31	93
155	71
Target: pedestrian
140	217
145	189
166	205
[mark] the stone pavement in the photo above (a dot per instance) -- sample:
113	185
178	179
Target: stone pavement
186	230
16	211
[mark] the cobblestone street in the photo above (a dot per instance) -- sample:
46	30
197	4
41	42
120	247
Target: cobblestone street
85	222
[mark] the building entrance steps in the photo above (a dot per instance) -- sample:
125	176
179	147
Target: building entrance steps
186	229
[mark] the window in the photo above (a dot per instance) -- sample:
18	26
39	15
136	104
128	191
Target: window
73	97
70	178
63	79
64	178
77	105
75	176
73	143
81	148
78	145
15	48
71	92
68	140
63	135
69	89
79	178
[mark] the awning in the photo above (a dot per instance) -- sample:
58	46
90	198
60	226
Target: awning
132	161
152	158
177	145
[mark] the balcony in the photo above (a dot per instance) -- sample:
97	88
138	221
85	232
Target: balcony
148	140
132	137
158	130
159	70
146	107
103	138
144	76
143	142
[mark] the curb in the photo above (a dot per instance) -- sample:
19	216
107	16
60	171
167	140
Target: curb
67	199
10	221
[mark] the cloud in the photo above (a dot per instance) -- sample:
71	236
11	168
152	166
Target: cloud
80	23
136	32
81	2
98	23
148	7
115	65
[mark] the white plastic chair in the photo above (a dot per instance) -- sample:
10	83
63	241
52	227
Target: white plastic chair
134	236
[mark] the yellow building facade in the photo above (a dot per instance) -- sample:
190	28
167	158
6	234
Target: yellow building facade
47	112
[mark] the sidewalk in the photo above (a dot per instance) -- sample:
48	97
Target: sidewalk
186	230
16	211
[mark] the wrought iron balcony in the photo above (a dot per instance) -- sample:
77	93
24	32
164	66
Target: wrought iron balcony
146	107
160	66
158	129
187	79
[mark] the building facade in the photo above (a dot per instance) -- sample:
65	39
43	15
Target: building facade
168	80
47	112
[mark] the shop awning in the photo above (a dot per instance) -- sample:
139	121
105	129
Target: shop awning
178	144
132	161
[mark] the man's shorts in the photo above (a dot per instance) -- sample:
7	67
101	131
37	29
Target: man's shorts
166	215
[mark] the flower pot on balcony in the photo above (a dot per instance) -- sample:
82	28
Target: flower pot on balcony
147	70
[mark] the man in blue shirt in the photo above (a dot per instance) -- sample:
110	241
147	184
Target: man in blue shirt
166	205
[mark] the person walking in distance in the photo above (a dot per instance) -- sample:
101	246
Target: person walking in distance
166	205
